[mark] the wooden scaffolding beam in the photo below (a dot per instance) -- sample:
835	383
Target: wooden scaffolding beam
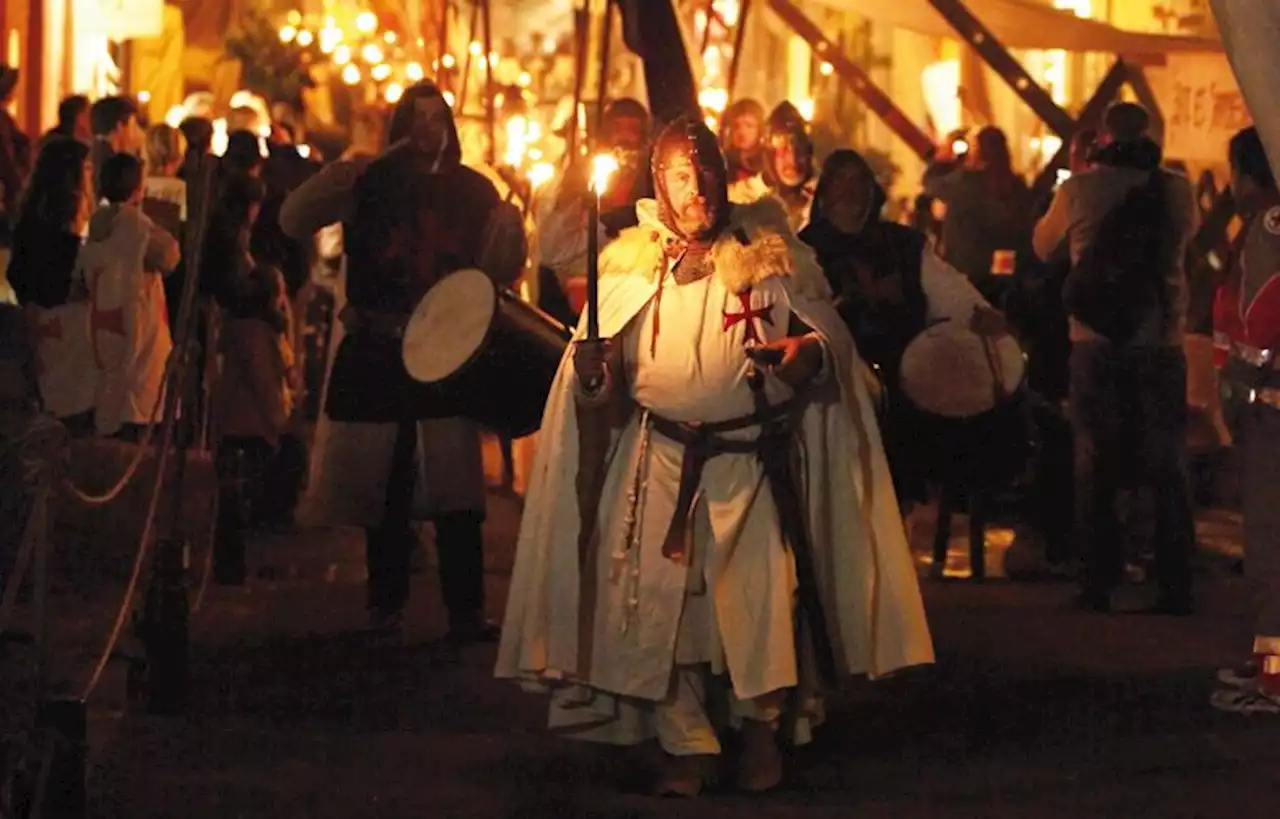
855	77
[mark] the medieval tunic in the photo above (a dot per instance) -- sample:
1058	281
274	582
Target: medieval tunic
121	266
607	630
458	221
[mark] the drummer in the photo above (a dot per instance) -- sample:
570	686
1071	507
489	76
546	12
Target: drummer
889	287
383	458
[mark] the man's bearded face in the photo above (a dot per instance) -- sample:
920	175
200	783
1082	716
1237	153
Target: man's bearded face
686	198
744	133
785	162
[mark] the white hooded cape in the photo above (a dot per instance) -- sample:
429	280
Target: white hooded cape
560	631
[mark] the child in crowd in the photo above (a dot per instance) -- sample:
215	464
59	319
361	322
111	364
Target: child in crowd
253	404
121	265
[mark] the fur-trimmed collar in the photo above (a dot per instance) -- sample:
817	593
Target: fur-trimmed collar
757	245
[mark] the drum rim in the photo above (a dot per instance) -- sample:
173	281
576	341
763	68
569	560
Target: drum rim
484	339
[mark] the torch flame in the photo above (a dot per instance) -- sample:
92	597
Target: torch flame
603	166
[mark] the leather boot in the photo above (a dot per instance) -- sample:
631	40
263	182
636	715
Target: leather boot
760	768
684	776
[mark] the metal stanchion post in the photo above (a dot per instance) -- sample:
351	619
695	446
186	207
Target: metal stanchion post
165	617
63	787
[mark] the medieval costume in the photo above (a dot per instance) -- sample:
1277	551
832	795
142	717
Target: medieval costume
1247	342
385	453
889	287
121	265
742	139
787	170
690	514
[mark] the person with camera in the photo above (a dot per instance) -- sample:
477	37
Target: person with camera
1126	223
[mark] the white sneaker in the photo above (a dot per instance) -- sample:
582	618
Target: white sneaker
1245	701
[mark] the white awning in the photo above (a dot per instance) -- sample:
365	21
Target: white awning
1025	24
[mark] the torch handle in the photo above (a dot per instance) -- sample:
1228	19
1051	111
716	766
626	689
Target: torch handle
593	266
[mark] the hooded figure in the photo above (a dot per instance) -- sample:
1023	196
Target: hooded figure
742	139
691	511
384	456
889	286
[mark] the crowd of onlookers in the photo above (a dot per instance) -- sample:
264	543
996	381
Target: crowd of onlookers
98	255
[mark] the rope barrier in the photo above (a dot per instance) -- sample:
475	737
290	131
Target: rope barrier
195	242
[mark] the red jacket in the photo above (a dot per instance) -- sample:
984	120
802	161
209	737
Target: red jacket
1256	324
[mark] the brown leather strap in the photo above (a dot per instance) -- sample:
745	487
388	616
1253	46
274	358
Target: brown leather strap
701	444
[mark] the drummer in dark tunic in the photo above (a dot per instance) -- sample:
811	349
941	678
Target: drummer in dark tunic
889	287
388	451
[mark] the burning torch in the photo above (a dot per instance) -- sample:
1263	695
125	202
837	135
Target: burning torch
603	166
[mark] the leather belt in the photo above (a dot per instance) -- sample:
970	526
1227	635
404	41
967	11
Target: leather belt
702	442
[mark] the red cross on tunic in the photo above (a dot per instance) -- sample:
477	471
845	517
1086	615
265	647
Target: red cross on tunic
749	314
108	321
52	330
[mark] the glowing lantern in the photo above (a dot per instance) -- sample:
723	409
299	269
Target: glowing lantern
367	22
414	72
350	74
394	92
371	54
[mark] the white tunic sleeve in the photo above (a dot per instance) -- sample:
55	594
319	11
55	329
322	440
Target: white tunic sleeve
948	293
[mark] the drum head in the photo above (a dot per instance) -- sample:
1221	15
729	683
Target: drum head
949	370
449	325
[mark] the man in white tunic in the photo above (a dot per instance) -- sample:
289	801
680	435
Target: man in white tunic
710	505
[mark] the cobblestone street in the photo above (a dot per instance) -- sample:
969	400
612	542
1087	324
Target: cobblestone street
1034	710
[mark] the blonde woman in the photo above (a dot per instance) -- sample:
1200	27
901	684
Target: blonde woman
164	195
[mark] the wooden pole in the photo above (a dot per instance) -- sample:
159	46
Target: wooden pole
602	85
582	39
491	112
739	37
1091	114
858	79
993	53
466	71
706	30
32	62
442	33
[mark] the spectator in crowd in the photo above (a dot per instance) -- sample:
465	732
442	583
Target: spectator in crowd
73	120
243	155
198	132
164	195
52	220
122	263
115	131
1127	223
988	219
253	402
15	154
227	253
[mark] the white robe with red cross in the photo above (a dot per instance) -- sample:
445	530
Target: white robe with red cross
606	638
